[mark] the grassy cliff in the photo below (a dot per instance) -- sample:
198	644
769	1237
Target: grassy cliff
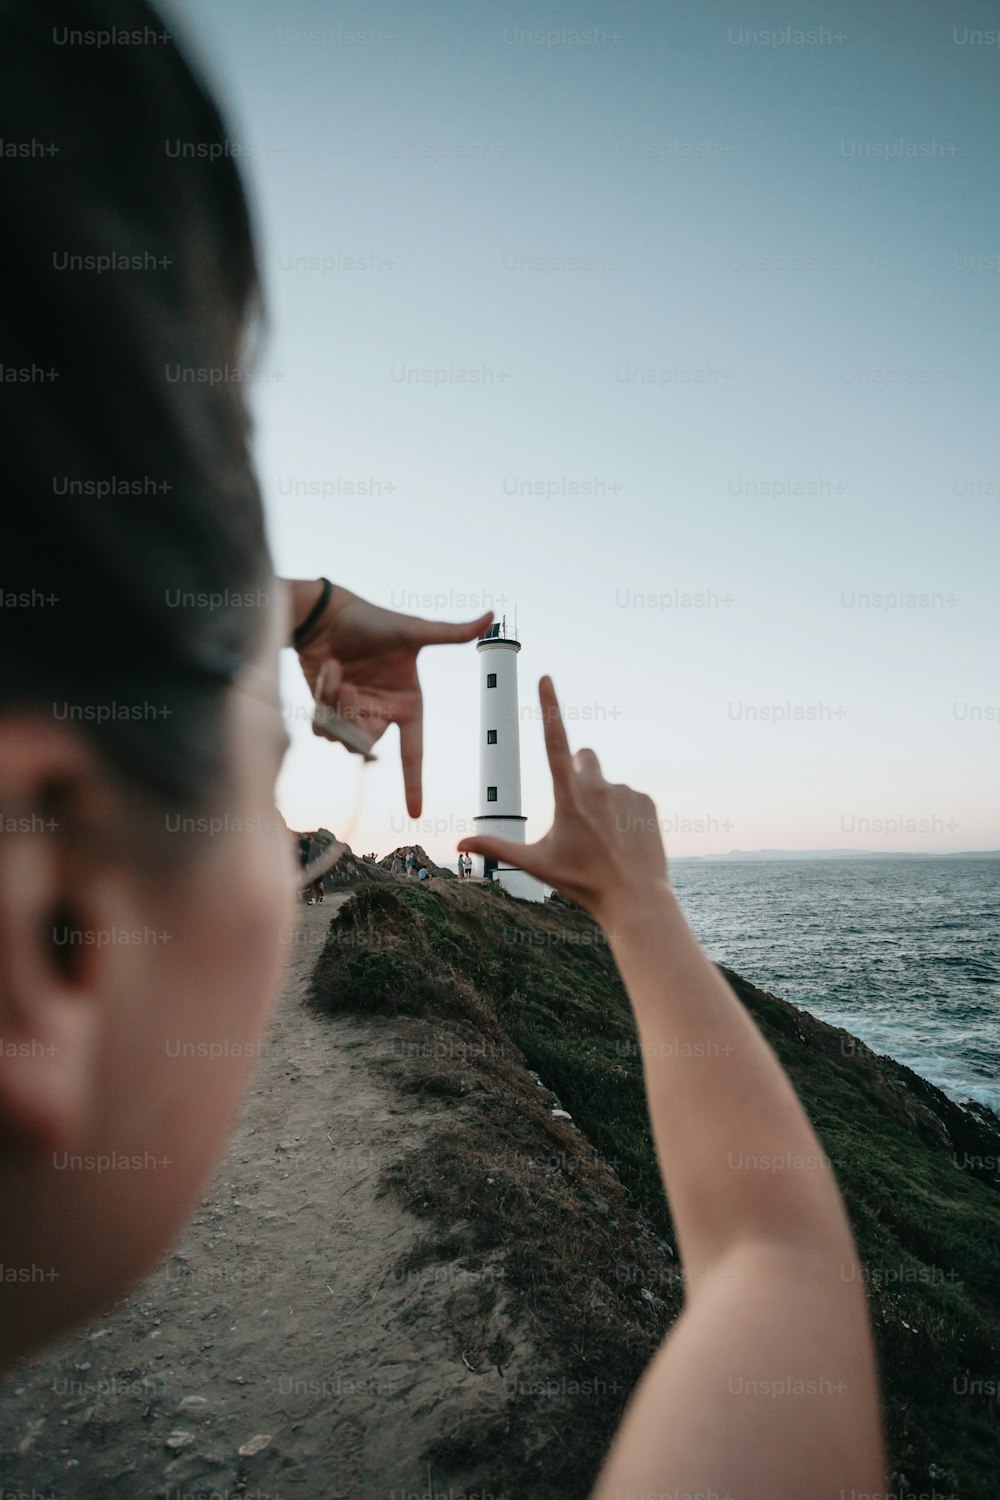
483	990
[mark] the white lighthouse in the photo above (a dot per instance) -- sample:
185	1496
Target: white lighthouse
500	760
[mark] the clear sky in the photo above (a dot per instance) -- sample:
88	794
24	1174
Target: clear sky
737	272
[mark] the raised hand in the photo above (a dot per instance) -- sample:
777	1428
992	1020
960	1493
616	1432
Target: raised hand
361	660
604	845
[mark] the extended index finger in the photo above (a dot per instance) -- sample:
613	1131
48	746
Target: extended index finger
444	633
556	743
411	744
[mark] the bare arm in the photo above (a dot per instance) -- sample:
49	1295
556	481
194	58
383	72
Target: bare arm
766	1385
765	1388
723	1111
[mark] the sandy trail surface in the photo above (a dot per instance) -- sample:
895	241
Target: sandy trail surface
276	1352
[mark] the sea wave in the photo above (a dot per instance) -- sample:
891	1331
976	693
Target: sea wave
901	953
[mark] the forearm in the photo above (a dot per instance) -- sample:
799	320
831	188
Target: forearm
767	1383
304	594
765	1386
740	1161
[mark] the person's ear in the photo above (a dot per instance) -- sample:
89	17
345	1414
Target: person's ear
51	968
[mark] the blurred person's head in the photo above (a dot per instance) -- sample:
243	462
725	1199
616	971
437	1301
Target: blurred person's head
144	872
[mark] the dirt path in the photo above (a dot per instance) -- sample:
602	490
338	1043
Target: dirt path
279	1324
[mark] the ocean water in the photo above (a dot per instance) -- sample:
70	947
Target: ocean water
903	953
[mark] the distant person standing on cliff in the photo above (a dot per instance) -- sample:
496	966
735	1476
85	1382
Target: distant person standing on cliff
314	891
409	863
774	1295
304	847
396	868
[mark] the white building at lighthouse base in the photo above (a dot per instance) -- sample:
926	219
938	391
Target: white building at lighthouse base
518	882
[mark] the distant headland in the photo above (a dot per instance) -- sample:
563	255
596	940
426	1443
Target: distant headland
767	854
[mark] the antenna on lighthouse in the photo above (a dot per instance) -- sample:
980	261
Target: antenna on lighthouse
516	637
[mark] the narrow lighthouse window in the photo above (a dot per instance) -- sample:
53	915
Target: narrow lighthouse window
491	794
491	736
491	679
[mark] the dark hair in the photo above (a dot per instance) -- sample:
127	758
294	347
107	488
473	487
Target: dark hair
135	558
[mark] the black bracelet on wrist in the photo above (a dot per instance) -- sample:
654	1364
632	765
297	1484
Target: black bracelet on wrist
301	631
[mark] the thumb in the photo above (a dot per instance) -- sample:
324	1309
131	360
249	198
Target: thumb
328	681
502	849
